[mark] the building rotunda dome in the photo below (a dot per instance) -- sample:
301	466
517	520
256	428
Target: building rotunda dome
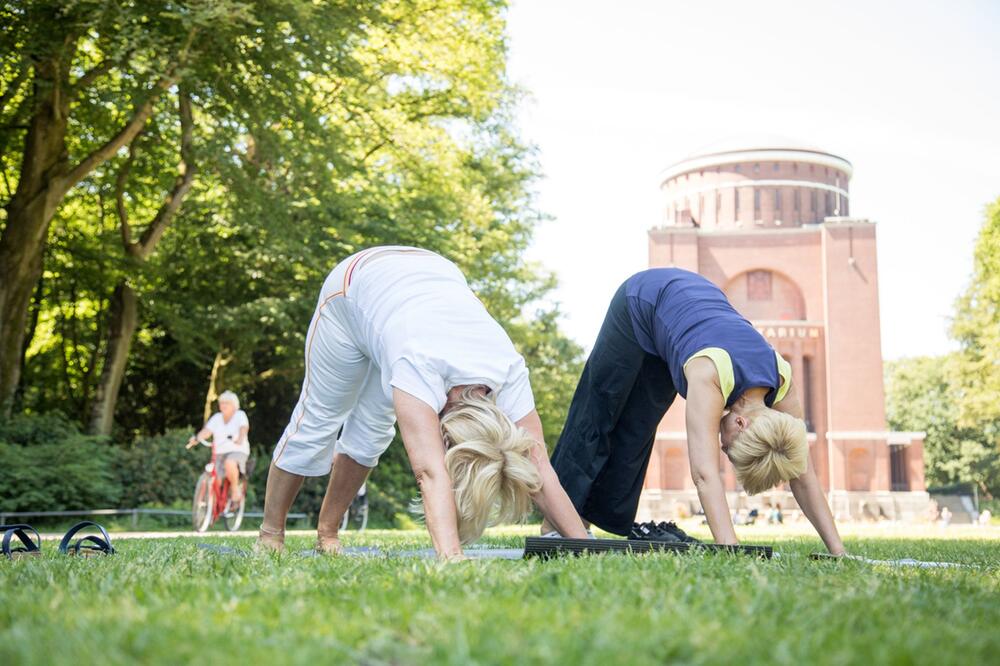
751	182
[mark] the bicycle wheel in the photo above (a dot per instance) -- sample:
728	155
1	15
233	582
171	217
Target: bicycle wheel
363	516
356	516
204	500
235	518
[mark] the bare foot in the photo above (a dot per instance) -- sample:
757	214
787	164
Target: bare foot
269	541
328	545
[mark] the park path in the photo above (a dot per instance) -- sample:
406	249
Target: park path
182	533
754	532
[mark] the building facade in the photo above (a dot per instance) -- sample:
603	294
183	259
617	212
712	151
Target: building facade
770	224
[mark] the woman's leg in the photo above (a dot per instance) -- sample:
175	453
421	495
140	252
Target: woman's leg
282	487
608	379
614	496
346	480
232	470
366	435
335	368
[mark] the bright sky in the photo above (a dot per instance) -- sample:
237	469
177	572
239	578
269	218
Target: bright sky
907	91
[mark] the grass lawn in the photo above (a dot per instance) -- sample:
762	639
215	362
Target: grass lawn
166	601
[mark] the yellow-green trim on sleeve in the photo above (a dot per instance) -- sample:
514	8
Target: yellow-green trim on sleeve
723	365
785	371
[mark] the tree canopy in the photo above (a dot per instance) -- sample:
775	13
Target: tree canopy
977	329
921	395
955	398
178	178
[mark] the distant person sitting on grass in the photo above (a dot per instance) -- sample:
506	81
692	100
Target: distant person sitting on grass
398	335
667	332
229	429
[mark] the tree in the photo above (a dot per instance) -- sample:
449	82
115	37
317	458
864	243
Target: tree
921	395
309	112
124	316
977	329
317	129
50	80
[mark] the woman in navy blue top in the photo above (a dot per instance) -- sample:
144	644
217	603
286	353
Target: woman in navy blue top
667	332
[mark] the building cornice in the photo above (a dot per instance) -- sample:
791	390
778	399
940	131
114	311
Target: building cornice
700	162
768	182
757	231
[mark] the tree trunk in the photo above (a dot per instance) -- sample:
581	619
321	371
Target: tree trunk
123	324
45	178
36	310
28	215
214	381
124	317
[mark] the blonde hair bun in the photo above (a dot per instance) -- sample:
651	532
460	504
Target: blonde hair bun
488	460
773	449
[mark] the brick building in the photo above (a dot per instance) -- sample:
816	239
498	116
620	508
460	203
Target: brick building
769	222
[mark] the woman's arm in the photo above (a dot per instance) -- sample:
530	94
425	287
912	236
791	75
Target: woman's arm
552	500
421	432
703	413
807	490
202	434
809	494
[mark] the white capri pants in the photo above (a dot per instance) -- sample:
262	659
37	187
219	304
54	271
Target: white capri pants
342	387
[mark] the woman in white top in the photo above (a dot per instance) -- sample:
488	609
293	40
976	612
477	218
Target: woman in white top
228	428
398	335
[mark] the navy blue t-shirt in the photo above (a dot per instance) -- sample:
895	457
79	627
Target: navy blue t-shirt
676	314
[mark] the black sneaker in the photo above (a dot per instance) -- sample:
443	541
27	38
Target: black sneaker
650	531
671	528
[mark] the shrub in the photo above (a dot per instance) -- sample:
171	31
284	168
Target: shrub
158	470
48	465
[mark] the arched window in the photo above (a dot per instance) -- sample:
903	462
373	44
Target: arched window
758	285
766	295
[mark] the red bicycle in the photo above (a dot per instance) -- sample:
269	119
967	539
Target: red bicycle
211	499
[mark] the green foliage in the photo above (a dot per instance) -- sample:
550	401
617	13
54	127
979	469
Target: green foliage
921	394
977	328
49	465
596	610
158	470
27	430
319	129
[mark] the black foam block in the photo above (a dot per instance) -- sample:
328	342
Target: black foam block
551	547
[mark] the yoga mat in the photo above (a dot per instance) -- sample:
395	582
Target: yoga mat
904	562
473	552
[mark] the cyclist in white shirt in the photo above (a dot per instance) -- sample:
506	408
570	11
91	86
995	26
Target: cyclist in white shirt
228	428
398	335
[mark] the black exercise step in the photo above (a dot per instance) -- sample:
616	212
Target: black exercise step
552	546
